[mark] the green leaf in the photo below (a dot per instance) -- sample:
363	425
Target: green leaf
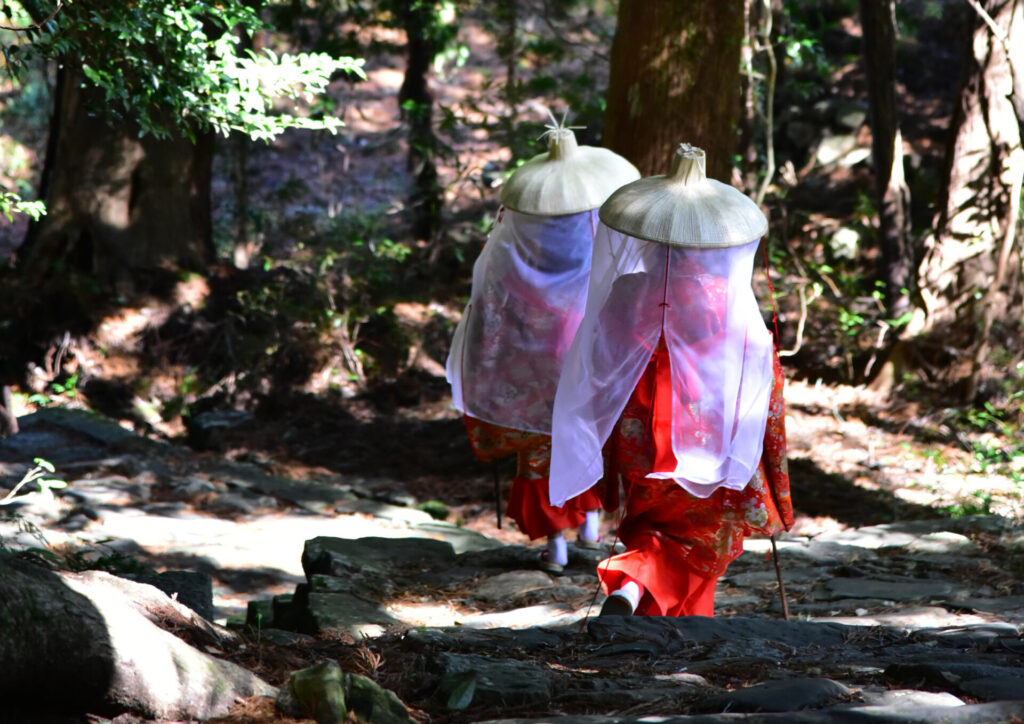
463	688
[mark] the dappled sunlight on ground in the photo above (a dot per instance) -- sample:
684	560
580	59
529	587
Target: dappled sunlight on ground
824	424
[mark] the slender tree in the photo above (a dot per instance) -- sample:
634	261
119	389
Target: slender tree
675	77
426	35
892	196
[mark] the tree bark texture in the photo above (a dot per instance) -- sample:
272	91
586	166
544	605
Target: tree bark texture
966	278
119	207
675	78
8	421
89	642
892	196
417	108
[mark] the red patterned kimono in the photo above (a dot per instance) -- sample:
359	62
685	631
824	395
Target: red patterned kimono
528	504
678	544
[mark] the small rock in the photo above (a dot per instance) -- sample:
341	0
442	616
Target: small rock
74	521
319	692
192	486
396	496
844	243
833	148
192	588
205	430
229	505
372	703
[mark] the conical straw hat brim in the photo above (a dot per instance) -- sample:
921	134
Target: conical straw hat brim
704	215
580	182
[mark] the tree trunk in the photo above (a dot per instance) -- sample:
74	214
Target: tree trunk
417	107
121	210
89	642
675	77
964	278
506	13
892	196
8	421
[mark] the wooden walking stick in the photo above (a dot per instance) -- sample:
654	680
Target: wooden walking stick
778	575
497	492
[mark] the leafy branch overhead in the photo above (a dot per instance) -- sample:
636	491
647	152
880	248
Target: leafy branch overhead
178	67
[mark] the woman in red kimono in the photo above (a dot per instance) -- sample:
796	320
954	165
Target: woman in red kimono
529	289
672	389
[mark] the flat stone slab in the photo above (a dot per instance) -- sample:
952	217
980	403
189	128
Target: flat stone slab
1003	605
774	696
506	586
903	591
916	617
548	614
824	552
342	611
462	540
996	688
971	636
343	556
494	681
992	713
909	698
385	511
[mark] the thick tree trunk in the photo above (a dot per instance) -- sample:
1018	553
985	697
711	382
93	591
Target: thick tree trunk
965	277
125	215
675	77
120	209
89	642
892	196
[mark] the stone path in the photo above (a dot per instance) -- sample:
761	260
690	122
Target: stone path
907	622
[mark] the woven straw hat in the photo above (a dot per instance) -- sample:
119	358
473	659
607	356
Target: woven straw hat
567	179
685	208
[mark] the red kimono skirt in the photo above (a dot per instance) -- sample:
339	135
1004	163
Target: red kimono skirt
677	545
528	504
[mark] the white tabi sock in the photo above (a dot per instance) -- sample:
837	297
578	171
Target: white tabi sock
590	530
557	550
631	591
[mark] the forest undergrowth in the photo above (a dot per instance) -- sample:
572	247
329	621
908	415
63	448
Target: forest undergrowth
327	318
